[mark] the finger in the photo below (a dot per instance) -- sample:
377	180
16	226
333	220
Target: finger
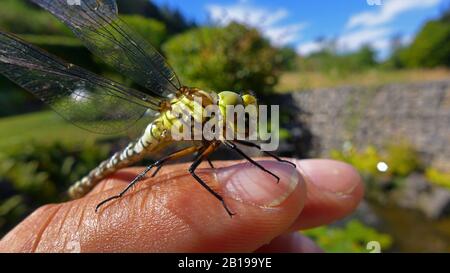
334	190
290	243
170	213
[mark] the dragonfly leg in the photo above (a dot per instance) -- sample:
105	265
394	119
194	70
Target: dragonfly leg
132	183
195	165
239	151
210	163
176	155
208	160
254	145
158	164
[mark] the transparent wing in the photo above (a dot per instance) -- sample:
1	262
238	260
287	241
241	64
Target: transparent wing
81	97
97	25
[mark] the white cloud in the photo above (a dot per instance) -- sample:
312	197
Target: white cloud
268	21
387	12
284	35
309	47
379	39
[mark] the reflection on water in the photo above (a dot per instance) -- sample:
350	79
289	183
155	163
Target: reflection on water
412	232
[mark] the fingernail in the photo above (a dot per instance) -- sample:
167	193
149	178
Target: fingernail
330	175
247	183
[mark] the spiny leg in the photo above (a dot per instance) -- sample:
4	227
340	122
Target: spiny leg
239	151
158	164
254	145
194	166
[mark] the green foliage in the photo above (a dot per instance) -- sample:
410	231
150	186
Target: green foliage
353	237
34	174
401	159
364	161
437	177
289	57
37	21
44	127
234	57
431	47
329	61
150	29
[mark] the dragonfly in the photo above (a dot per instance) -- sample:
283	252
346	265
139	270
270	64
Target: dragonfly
103	106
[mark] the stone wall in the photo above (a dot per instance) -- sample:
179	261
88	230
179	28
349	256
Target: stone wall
322	120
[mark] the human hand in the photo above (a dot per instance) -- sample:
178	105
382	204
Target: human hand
173	213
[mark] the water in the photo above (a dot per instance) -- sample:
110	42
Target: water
412	231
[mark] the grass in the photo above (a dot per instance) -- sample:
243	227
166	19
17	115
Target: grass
42	127
298	81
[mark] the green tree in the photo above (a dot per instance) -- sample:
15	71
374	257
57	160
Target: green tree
234	57
329	60
151	30
431	47
363	58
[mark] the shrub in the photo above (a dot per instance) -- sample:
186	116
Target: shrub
35	174
437	177
364	161
401	159
353	237
234	57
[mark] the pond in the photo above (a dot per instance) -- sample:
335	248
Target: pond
412	231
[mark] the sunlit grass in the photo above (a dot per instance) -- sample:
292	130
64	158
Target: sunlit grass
296	81
42	127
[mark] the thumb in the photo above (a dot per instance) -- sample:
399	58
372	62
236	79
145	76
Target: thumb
170	213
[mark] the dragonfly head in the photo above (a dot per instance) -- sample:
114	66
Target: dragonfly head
228	98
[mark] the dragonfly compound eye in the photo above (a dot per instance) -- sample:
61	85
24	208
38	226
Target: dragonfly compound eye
229	98
249	100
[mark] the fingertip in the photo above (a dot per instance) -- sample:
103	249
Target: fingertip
330	175
334	190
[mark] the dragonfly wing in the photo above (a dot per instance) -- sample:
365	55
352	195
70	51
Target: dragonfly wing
81	97
97	25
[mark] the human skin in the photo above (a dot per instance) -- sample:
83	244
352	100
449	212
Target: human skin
173	213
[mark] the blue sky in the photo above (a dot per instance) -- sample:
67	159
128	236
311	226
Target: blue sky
299	23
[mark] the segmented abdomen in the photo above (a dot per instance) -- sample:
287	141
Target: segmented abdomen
152	139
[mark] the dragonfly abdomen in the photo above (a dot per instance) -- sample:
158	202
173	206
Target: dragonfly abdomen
152	140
